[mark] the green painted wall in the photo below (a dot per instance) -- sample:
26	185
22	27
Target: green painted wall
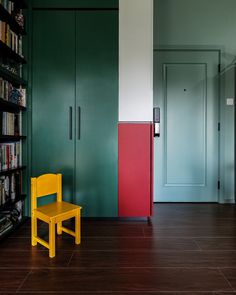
205	24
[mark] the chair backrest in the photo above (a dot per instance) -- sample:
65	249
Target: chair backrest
44	185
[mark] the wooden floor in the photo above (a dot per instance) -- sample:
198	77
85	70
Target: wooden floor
185	249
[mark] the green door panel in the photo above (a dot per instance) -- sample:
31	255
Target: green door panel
186	154
185	124
53	84
97	98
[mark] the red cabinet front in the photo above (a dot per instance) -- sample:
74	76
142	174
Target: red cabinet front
135	169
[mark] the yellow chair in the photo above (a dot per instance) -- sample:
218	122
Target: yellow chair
53	213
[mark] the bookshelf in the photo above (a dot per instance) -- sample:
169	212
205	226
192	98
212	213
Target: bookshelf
12	109
11	138
12	170
6	50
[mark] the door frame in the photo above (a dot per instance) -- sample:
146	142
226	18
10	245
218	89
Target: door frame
202	48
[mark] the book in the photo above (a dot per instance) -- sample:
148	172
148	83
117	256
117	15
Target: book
12	94
10	124
10	188
10	155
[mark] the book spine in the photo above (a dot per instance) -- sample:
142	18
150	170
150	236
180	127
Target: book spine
10	155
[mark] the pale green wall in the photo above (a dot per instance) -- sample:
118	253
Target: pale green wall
209	24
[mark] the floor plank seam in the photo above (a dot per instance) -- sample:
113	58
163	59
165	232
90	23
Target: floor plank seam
162	237
127	292
198	246
223	275
24	280
72	255
143	231
67	268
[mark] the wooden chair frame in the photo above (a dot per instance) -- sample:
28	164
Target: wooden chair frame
53	213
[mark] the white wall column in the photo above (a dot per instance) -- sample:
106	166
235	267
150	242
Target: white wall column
135	60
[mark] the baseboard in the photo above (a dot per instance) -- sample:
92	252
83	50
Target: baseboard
229	201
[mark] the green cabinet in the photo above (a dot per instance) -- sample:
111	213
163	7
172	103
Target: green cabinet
75	104
97	105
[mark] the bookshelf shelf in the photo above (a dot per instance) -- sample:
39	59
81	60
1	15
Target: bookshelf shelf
11	203
10	171
8	52
10	106
14	79
11	138
9	19
12	229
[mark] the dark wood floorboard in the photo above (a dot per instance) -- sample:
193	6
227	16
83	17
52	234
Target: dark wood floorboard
64	242
122	293
216	243
193	231
126	279
148	258
184	249
11	280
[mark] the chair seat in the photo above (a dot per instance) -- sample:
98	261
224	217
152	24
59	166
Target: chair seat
56	209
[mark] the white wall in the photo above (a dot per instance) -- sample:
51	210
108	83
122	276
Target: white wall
135	60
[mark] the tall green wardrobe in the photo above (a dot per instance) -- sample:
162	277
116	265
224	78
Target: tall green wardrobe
75	104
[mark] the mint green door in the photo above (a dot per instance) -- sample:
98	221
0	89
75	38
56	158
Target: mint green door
53	95
186	153
97	112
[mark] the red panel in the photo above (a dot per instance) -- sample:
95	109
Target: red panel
152	168
135	169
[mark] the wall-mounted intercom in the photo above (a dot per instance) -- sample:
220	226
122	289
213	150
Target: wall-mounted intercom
156	120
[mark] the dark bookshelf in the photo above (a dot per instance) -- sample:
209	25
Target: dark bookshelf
11	138
10	171
10	203
8	52
20	4
10	20
8	106
12	229
13	78
9	56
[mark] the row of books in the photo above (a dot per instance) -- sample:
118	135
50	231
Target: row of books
8	5
9	188
11	218
10	155
5	224
15	11
12	94
10	38
10	123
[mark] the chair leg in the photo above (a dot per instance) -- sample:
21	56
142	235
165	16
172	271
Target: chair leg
59	230
77	228
33	230
51	239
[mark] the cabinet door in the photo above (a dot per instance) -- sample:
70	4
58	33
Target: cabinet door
53	95
97	112
135	169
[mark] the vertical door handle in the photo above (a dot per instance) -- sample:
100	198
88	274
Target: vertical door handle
70	123
79	123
